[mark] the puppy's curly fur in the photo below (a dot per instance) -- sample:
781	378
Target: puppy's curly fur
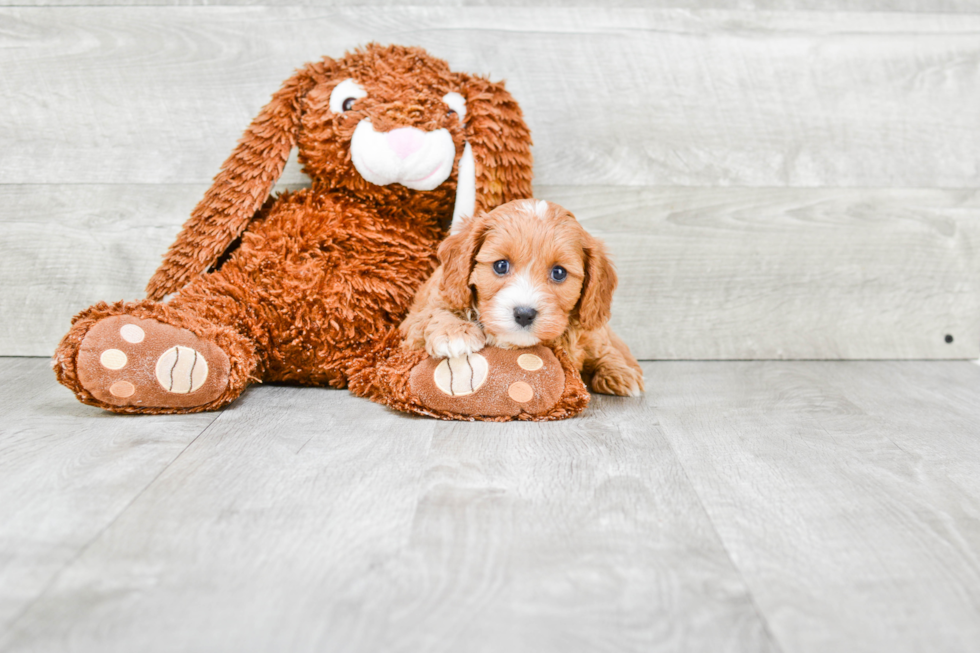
524	273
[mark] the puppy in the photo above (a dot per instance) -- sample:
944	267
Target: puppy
524	273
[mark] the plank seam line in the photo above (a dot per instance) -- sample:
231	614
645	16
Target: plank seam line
85	547
748	588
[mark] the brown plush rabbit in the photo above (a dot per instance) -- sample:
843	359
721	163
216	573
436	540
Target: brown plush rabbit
305	285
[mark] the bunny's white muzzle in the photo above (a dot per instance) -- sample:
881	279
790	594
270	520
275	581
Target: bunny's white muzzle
408	156
415	159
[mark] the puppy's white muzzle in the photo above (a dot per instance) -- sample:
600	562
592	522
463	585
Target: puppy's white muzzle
408	156
519	292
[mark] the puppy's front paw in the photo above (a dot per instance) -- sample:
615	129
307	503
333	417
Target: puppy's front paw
623	381
454	339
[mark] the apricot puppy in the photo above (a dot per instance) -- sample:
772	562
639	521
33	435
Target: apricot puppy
522	274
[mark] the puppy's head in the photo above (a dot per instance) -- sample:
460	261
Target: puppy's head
530	270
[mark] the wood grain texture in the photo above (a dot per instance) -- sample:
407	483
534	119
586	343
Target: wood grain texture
67	471
309	520
720	273
612	95
572	536
847	493
785	506
790	273
67	247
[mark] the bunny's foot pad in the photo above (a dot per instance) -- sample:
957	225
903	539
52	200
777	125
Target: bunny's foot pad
492	382
127	361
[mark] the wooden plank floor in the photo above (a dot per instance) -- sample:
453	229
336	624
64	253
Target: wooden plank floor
739	506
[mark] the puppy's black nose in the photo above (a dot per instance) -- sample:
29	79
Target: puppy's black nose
524	315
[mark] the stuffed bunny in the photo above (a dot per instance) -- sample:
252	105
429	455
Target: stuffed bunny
308	286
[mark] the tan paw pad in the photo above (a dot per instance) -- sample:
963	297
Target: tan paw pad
530	362
181	370
132	333
113	359
122	389
520	392
462	375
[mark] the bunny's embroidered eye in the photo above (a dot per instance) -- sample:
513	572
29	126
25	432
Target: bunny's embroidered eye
456	104
344	95
558	274
501	267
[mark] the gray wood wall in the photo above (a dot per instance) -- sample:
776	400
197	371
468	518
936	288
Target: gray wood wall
789	179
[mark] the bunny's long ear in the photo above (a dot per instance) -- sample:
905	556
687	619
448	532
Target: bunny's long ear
238	191
496	165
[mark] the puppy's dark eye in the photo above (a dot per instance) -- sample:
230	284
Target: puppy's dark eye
501	267
450	113
558	273
348	104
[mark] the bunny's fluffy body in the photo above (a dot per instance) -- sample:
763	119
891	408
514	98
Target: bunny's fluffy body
296	287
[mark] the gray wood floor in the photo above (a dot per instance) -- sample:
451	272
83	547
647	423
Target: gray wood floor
739	506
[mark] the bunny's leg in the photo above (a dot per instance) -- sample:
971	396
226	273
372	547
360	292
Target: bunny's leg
538	383
150	357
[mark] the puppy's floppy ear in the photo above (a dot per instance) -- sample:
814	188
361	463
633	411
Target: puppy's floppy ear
457	254
496	166
239	190
595	303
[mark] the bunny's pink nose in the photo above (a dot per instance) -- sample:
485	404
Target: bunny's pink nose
405	141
